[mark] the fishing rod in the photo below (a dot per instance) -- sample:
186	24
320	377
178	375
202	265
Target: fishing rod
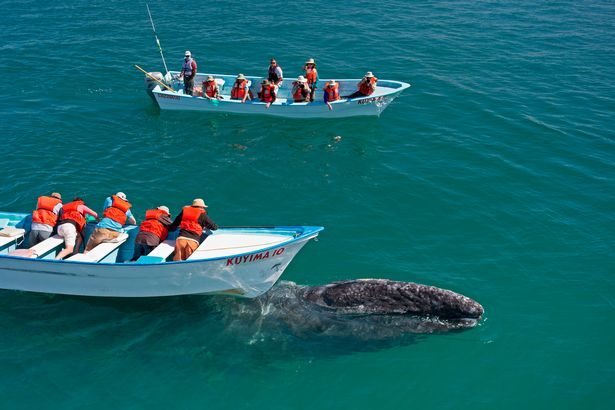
156	36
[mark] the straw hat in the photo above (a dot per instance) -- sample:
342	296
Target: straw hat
301	79
163	208
121	195
199	202
265	82
310	61
210	78
369	74
241	77
56	195
187	53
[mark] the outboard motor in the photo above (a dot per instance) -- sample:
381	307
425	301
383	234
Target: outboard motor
150	83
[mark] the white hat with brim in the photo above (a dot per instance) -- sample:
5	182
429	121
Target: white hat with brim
369	74
56	195
210	78
187	54
163	208
310	61
121	195
241	77
332	82
199	202
301	79
265	82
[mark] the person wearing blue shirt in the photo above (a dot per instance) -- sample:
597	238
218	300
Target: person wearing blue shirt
116	214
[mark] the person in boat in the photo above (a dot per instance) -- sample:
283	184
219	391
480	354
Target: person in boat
71	226
210	89
366	86
311	75
44	217
240	90
267	94
188	73
275	75
301	90
116	214
152	231
332	93
192	220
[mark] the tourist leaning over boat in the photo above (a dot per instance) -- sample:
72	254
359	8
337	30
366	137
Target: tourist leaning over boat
241	90
210	89
191	222
366	86
116	214
71	226
153	230
188	73
332	93
311	75
274	74
267	93
301	90
44	217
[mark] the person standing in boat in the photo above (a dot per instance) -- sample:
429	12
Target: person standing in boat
311	75
116	214
153	230
188	73
301	90
332	93
210	89
275	75
267	93
71	226
44	217
366	86
241	90
192	220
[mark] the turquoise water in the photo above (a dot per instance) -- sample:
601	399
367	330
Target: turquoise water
492	176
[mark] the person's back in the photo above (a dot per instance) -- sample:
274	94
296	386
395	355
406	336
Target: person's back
153	230
70	226
115	215
44	217
191	222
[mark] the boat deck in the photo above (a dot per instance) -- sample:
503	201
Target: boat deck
222	244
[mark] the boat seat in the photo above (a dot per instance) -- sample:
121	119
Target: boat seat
46	246
4	222
9	236
160	253
101	251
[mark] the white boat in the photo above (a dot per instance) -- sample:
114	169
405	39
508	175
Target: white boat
386	91
235	261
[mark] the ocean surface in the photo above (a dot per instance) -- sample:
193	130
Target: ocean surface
493	176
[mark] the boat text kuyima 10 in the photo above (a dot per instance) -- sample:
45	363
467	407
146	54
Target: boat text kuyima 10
235	261
374	104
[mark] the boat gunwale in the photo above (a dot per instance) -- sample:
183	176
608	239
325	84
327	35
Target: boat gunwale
309	232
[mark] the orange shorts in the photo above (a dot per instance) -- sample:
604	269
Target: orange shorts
184	247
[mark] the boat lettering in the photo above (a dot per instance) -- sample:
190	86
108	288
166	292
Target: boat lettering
253	257
371	100
170	97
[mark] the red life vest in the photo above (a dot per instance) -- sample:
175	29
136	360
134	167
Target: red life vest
333	93
298	93
44	211
311	75
190	219
365	87
70	212
117	210
210	88
153	225
267	93
239	90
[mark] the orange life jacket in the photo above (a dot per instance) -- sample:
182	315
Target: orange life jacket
267	92
333	93
190	219
239	90
44	211
298	93
70	212
153	225
365	88
117	210
210	88
311	75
